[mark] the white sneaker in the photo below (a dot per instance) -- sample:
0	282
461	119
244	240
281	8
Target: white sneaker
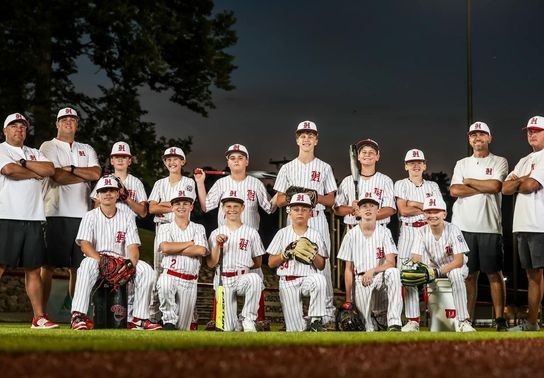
465	326
411	326
524	326
248	325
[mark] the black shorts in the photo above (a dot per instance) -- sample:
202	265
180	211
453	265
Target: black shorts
530	249
60	238
486	253
21	243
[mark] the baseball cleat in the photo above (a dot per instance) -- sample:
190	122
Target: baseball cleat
411	326
524	326
41	322
394	328
79	322
210	326
169	327
248	325
465	326
316	326
502	324
262	325
138	324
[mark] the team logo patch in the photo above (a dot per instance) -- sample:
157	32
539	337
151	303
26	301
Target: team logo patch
119	312
81	153
450	313
250	195
315	176
460	238
380	253
449	250
189	188
120	236
242	244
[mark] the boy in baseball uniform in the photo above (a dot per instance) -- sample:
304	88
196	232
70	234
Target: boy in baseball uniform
309	172
410	193
22	212
369	252
296	278
527	180
239	249
159	205
182	244
254	194
441	245
113	231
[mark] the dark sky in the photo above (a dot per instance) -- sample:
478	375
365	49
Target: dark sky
391	70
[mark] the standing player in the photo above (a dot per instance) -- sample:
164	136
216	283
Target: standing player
182	244
527	180
240	249
133	196
112	231
21	211
369	253
66	197
254	194
309	172
159	205
410	194
477	182
298	279
441	245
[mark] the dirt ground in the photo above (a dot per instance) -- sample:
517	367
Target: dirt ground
505	358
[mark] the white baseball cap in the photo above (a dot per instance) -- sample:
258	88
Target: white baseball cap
240	148
67	112
367	142
107	182
535	123
173	151
231	196
307	126
15	117
414	155
183	195
120	149
434	203
370	197
300	199
479	126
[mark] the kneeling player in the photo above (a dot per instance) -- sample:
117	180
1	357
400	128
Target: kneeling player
182	243
235	249
112	231
369	252
442	246
298	278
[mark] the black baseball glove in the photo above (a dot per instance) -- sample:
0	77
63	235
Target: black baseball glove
349	319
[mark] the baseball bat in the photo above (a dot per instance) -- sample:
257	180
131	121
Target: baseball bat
256	174
220	296
354	165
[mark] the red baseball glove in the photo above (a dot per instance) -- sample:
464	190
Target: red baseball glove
116	271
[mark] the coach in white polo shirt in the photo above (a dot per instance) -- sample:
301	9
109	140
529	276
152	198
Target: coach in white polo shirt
21	211
477	182
527	180
66	196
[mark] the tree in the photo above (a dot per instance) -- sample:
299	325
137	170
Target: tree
167	45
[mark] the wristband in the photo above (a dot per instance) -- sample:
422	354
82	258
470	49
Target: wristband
72	168
23	163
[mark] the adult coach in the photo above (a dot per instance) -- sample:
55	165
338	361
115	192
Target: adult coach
21	211
312	173
66	195
527	179
477	182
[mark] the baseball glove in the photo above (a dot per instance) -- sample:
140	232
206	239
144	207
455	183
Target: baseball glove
292	190
303	250
115	271
415	273
349	319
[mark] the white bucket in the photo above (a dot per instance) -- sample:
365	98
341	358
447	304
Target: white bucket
441	307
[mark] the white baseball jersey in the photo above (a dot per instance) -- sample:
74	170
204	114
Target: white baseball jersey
438	253
109	234
173	233
488	217
242	246
164	191
250	189
136	192
379	184
283	238
67	200
407	190
529	209
20	199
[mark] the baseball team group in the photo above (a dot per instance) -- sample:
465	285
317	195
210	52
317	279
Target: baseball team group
50	216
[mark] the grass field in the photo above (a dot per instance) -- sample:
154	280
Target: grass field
18	337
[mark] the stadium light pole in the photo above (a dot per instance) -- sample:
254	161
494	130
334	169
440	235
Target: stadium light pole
469	61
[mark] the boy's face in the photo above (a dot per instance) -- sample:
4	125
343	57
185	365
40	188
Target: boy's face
435	217
300	215
120	162
368	211
233	210
108	196
415	167
182	208
307	140
237	161
368	156
174	164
